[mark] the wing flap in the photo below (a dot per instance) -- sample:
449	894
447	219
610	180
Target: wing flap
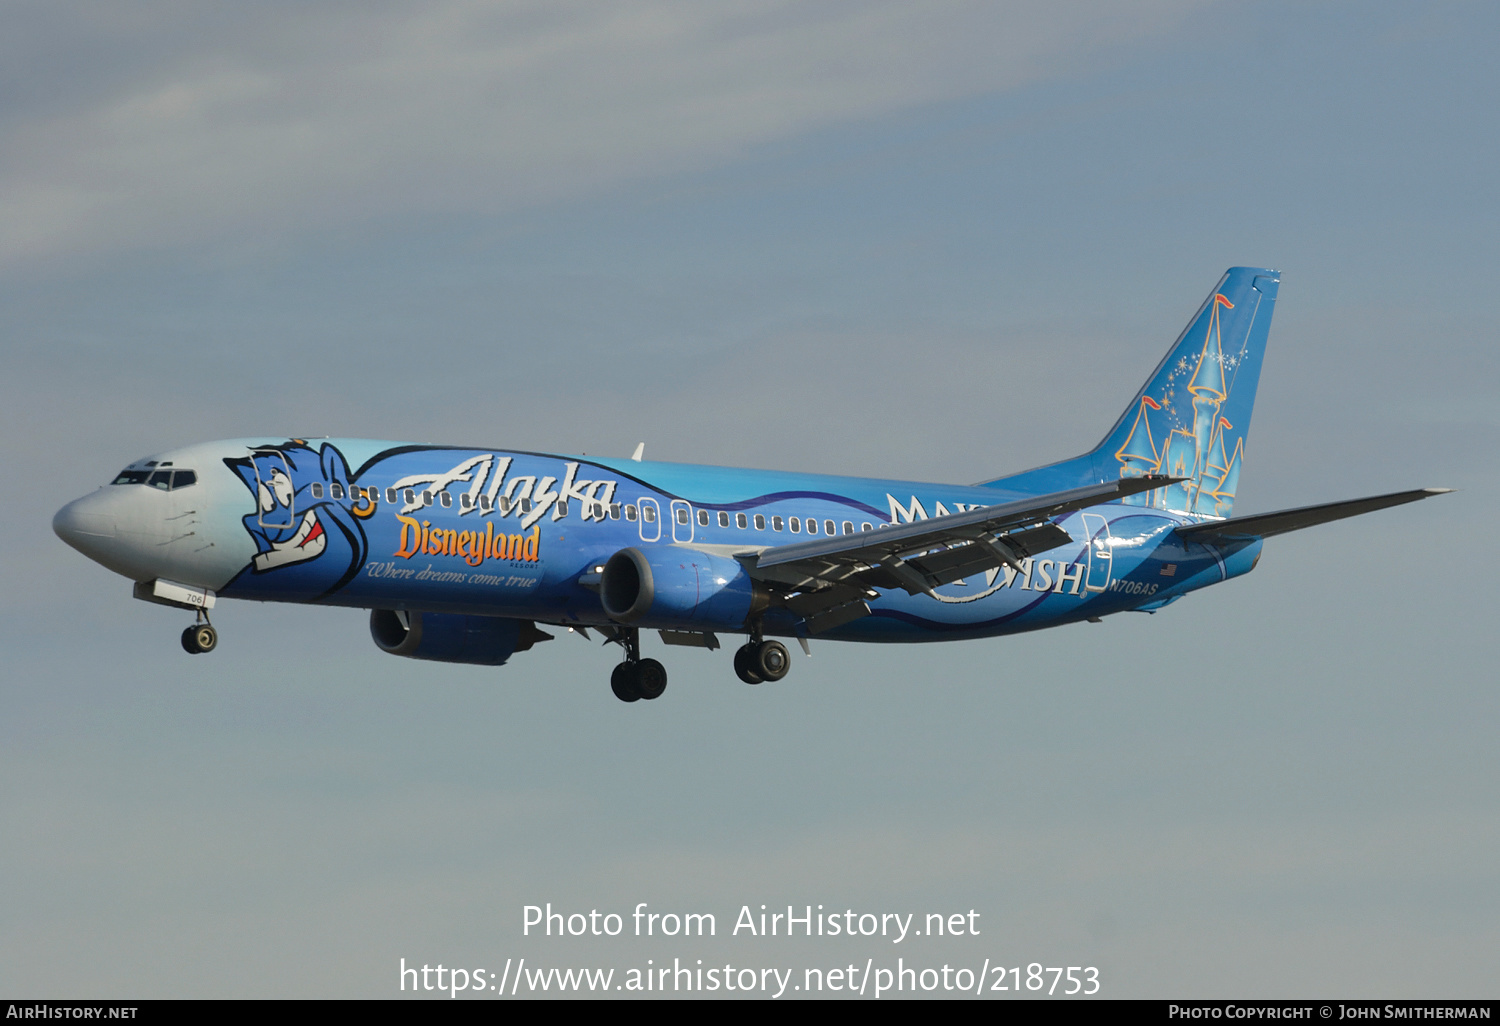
964	560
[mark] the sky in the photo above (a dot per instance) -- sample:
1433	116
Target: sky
938	242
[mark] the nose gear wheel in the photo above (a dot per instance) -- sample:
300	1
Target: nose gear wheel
199	638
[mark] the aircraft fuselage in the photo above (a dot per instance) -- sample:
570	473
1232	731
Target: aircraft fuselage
491	532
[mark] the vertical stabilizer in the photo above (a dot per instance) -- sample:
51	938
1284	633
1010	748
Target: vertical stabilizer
1191	417
1198	402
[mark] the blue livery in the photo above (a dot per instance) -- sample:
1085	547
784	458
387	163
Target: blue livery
461	553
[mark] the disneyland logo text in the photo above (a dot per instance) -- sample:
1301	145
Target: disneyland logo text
473	547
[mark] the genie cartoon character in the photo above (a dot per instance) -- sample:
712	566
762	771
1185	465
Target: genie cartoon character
308	537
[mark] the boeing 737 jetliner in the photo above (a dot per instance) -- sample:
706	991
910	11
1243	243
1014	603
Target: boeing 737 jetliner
460	553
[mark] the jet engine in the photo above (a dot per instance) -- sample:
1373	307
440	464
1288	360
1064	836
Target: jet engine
672	586
452	637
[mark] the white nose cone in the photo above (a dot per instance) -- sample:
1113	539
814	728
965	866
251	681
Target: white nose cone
83	524
107	528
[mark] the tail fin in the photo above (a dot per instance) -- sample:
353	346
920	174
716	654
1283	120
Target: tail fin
1191	417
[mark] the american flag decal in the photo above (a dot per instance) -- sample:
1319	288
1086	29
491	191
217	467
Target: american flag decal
1169	570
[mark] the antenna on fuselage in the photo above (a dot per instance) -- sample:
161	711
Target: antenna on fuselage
640	450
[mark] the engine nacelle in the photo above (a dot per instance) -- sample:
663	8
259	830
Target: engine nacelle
672	586
452	637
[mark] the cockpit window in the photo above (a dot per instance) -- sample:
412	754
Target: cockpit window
163	479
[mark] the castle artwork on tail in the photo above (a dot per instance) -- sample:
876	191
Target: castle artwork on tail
1191	418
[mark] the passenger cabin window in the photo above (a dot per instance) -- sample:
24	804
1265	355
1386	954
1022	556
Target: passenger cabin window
848	527
504	506
614	511
829	527
812	527
760	522
132	477
465	501
427	498
336	490
562	508
525	505
630	512
648	514
740	521
795	523
723	519
865	527
703	518
410	496
390	495
775	523
317	490
682	514
445	499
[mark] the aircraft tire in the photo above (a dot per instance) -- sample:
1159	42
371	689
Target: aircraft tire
625	682
199	638
742	665
206	638
650	679
771	660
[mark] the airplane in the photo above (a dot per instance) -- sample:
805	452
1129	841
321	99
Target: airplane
460	553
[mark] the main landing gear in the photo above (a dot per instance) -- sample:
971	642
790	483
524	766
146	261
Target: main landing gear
637	678
200	637
758	660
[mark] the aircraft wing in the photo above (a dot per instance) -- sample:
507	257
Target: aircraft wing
834	575
1263	525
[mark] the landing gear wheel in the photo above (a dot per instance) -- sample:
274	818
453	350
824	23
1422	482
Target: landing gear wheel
744	657
199	638
650	678
625	682
770	660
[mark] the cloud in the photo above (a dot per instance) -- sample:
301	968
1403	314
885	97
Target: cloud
174	125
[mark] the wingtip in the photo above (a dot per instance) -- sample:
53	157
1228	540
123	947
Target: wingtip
1439	491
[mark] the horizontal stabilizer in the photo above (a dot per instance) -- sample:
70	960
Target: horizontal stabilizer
1263	525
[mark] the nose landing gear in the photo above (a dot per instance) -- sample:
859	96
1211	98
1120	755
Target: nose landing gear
637	678
200	637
